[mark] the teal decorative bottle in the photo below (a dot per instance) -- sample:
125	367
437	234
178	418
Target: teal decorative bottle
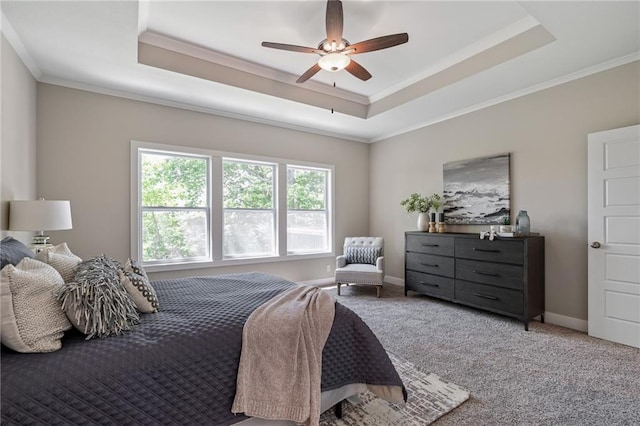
523	225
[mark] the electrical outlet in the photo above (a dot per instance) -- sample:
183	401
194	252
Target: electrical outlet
328	268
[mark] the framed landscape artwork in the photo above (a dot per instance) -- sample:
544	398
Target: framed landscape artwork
477	191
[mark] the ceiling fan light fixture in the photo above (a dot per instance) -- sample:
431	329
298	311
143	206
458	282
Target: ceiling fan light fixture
334	62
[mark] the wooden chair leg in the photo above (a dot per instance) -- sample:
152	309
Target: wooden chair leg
338	288
378	290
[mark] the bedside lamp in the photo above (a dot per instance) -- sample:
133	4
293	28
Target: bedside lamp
39	215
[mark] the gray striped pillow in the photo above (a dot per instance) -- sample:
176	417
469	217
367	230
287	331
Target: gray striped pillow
366	255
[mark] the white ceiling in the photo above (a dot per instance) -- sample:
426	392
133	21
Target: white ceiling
461	56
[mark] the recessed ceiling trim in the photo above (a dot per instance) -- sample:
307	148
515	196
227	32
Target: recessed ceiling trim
474	49
188	65
517	94
511	48
143	16
160	40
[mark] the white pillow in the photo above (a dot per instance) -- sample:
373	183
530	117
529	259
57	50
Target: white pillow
135	280
61	258
32	315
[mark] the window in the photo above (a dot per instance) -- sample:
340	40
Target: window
249	209
307	214
175	211
194	208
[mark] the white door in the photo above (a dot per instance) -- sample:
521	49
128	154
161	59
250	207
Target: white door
614	235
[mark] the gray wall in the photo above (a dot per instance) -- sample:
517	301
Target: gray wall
18	143
546	134
83	155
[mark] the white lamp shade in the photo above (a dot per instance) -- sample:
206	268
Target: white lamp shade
39	215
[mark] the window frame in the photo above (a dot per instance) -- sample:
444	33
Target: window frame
273	210
327	204
215	198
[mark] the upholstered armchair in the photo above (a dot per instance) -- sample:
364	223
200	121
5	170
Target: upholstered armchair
362	262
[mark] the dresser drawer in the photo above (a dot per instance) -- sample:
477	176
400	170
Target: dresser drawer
498	274
438	265
485	296
432	285
431	245
494	251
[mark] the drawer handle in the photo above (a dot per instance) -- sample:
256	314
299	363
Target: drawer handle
490	274
486	250
429	245
485	296
429	284
433	265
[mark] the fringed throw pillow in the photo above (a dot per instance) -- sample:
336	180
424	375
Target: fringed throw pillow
366	255
95	300
136	282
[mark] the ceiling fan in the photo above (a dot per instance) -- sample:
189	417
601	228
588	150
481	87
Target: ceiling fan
335	52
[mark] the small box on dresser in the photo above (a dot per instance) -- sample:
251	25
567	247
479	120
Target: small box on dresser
504	276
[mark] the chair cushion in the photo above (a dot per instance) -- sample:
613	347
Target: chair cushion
365	255
359	274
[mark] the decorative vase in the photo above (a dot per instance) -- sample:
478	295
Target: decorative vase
423	221
523	224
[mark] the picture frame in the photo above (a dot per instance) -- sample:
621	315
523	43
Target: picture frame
477	191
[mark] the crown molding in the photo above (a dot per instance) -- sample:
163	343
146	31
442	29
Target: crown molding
527	91
195	108
15	42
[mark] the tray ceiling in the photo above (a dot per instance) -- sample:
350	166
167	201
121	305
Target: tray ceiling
206	55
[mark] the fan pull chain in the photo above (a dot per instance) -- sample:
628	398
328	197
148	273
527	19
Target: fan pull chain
334	85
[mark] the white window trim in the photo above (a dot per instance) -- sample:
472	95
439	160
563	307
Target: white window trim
216	218
328	203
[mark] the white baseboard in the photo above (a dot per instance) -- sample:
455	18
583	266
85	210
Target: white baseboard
565	321
550	317
388	279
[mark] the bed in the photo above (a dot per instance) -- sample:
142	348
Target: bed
178	366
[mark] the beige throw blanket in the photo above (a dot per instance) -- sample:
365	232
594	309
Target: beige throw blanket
281	359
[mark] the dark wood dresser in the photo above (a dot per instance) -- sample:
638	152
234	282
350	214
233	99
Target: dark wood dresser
504	276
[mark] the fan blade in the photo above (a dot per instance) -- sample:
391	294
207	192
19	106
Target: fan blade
291	47
309	73
334	21
378	43
358	70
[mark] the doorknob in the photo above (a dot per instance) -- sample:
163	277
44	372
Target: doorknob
595	244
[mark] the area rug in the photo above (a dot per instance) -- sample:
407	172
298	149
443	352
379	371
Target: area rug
430	398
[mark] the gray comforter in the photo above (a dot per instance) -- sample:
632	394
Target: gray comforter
178	366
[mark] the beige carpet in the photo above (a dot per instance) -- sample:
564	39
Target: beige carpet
547	376
429	397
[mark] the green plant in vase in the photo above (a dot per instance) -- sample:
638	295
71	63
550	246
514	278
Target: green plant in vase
505	226
416	203
420	204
